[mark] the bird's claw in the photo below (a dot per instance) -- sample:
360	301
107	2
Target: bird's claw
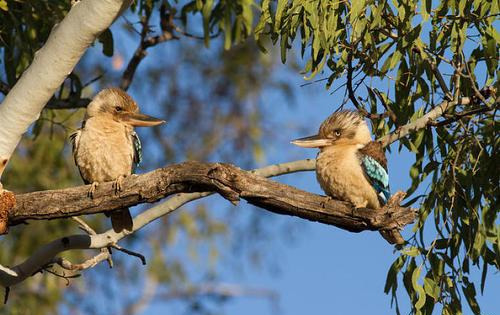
117	184
92	189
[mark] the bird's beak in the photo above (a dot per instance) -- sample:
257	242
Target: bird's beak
312	142
141	120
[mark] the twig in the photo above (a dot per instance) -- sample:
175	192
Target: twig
439	77
477	93
352	96
131	253
183	32
64	276
388	110
54	103
145	43
457	116
89	263
105	252
6	295
84	226
67	103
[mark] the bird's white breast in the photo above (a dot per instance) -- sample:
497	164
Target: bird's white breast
340	175
105	150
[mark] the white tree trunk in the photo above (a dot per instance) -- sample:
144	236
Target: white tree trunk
52	64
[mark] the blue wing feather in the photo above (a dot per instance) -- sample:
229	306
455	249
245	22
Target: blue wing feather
136	142
377	176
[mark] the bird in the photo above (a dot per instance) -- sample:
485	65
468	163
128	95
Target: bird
107	148
349	165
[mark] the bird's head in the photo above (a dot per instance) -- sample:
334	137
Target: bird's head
116	104
343	127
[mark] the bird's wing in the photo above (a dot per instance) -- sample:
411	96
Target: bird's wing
136	142
75	142
374	165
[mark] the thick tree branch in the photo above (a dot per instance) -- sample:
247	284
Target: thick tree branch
225	179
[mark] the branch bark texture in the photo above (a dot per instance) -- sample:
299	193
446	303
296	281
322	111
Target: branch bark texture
52	63
227	180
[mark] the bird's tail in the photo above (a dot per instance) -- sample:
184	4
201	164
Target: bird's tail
121	220
392	236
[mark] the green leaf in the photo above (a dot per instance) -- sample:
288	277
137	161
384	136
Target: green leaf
284	47
206	11
392	281
279	14
412	251
431	288
3	5
470	295
418	288
265	19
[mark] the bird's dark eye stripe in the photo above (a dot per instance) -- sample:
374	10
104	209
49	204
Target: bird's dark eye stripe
118	108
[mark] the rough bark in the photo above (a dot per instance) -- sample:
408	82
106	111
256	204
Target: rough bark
227	180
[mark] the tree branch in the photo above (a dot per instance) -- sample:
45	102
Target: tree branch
423	121
227	180
67	103
146	42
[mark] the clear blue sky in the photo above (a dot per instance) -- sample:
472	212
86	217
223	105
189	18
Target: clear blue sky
320	269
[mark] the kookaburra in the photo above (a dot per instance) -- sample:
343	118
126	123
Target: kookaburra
350	166
106	147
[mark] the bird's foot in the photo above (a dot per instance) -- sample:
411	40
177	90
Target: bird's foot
323	203
92	189
117	184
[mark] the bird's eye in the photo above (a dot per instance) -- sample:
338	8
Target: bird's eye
337	133
118	108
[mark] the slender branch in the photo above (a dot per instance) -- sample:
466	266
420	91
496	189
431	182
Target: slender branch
439	77
422	122
146	42
89	263
67	103
54	103
457	116
392	116
351	92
